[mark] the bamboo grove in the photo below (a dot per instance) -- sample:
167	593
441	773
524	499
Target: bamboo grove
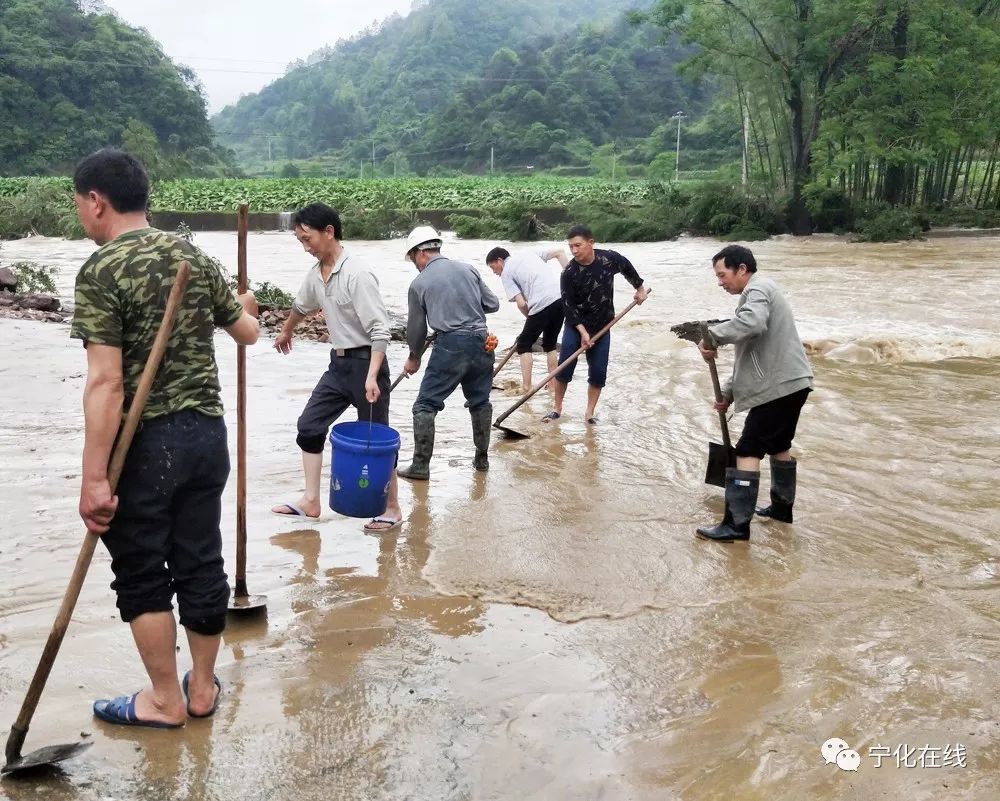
888	102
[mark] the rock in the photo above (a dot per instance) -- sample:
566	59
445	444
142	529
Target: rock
6	299
313	328
45	303
8	280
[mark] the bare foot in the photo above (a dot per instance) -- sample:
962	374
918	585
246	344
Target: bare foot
202	696
162	710
309	508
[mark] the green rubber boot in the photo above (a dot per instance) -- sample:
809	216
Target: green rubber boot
482	419
423	448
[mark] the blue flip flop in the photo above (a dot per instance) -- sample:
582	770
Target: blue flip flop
218	695
121	711
553	415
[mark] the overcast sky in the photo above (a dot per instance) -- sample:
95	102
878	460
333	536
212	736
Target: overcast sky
238	47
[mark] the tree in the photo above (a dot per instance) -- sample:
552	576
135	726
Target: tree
790	51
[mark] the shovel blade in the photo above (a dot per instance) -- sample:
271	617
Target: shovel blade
719	458
248	604
511	433
44	757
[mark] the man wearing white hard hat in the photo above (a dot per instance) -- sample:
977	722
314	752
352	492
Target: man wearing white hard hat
451	298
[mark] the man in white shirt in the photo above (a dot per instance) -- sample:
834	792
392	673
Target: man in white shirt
533	285
347	291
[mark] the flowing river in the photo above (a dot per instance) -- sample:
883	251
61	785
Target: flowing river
553	629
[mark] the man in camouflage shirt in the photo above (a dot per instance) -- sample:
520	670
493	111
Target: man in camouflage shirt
162	528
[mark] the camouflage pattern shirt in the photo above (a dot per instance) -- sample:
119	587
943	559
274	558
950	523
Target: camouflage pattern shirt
121	294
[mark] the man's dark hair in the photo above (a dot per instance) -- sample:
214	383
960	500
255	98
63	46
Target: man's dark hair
497	253
121	178
734	256
580	230
318	216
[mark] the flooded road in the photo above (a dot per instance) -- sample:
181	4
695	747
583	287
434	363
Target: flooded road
554	629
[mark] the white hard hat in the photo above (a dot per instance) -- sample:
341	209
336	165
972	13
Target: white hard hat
422	235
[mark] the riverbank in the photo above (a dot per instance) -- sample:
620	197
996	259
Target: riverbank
507	208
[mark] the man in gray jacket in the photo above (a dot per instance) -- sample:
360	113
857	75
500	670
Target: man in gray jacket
452	298
771	378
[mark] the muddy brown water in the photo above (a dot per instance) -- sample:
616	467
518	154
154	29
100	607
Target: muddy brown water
554	630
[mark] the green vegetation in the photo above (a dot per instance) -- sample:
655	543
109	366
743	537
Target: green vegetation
32	277
475	85
73	81
40	207
265	194
401	193
882	102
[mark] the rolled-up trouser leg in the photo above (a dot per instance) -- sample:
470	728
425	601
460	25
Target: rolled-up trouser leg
195	559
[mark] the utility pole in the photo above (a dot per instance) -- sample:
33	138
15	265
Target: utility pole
270	167
491	159
680	115
373	158
614	161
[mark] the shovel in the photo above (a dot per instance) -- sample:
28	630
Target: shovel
401	376
52	754
721	456
513	433
504	360
242	601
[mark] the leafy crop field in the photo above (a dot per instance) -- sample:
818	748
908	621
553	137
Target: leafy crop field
265	194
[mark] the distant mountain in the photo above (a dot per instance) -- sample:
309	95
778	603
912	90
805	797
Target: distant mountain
541	80
73	79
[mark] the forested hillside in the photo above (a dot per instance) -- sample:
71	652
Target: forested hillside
73	80
543	83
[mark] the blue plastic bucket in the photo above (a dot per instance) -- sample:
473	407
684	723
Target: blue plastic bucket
360	467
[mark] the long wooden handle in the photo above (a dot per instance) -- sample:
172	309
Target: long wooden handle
401	376
20	728
718	391
240	590
505	359
576	355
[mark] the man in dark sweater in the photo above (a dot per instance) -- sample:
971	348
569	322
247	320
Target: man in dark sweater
588	300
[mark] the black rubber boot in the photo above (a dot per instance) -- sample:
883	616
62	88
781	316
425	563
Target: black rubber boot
423	448
782	491
741	496
482	420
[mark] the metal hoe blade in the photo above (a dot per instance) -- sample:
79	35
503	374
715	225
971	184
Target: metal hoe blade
248	604
511	433
44	757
